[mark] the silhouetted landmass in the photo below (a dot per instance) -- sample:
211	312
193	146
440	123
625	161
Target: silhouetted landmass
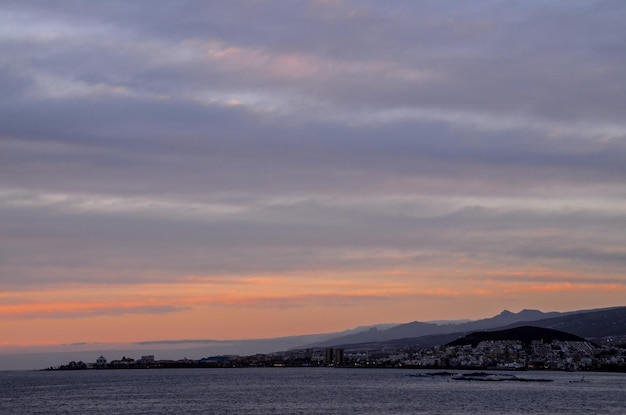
591	324
567	344
419	329
525	334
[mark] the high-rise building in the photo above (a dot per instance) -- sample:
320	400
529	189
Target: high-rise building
334	357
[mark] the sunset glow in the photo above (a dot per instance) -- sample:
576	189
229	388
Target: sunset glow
245	170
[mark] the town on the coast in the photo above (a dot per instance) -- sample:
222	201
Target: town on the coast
537	354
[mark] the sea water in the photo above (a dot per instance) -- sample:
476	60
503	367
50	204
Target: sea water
303	391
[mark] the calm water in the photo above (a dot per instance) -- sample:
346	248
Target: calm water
302	391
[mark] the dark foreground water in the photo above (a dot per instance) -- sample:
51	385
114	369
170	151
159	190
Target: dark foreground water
302	391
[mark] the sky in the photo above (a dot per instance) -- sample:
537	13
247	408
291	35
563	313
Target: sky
254	169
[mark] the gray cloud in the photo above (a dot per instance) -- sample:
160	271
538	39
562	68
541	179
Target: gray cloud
86	239
150	141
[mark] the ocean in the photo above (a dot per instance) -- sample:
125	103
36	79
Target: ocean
303	391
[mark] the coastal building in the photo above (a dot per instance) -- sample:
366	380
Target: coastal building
101	361
146	359
334	357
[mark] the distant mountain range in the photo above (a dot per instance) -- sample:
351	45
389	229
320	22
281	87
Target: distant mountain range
590	324
419	329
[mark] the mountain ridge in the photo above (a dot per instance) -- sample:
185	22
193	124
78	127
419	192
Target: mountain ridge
419	329
589	324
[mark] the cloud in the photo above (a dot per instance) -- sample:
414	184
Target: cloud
79	301
426	145
81	310
82	237
180	342
567	287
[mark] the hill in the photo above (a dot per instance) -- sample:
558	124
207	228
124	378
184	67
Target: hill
525	334
591	324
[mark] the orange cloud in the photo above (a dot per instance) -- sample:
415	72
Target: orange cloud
348	293
196	291
84	309
269	64
438	292
563	287
481	292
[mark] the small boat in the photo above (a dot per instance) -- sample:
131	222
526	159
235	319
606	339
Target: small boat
582	380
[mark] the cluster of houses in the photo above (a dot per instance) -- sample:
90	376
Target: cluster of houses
498	354
145	362
513	354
